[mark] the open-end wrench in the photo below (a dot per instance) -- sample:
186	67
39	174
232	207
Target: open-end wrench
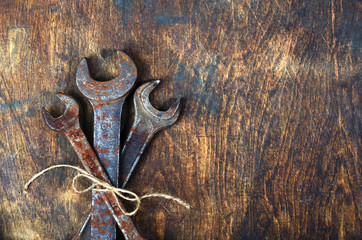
107	100
147	122
68	124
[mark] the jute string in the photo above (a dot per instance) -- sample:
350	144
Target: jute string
120	192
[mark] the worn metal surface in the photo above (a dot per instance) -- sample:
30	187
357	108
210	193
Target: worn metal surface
68	124
147	122
107	100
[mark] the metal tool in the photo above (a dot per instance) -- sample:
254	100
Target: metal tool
147	122
107	100
68	124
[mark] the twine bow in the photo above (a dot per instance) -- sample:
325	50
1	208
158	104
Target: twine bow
120	192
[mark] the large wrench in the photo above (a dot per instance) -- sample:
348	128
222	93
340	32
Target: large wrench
68	124
107	100
147	122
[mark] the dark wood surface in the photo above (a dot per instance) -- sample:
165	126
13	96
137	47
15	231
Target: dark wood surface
268	144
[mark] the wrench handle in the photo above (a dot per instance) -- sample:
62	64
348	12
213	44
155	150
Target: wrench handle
107	128
85	153
135	144
90	162
137	140
123	221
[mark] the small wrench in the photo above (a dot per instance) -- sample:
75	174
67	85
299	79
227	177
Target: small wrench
68	124
107	100
148	121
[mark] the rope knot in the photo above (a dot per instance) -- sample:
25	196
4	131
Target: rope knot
102	186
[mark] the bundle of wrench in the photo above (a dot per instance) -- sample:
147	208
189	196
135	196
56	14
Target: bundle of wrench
107	161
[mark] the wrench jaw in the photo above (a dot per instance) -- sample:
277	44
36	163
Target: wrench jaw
68	120
156	118
109	90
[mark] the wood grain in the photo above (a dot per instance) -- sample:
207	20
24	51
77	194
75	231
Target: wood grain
268	144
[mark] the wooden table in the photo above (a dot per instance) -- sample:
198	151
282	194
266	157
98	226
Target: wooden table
268	144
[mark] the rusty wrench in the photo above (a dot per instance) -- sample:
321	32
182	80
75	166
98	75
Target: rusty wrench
147	122
107	100
68	124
